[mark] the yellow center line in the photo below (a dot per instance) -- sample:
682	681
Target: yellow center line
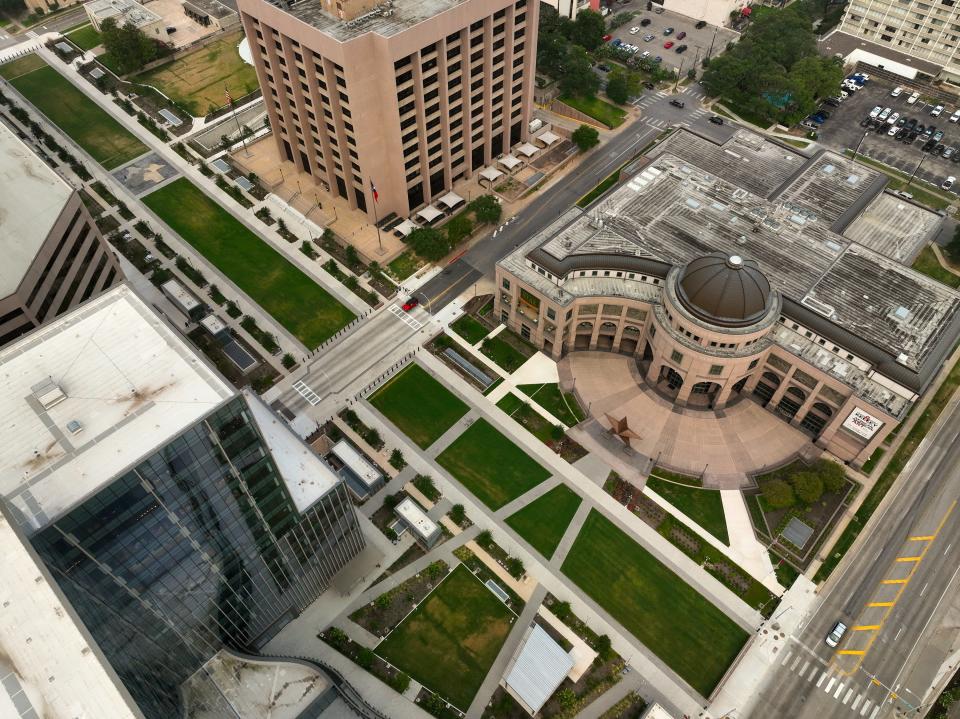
880	604
925	538
866	628
852	652
894	581
909	559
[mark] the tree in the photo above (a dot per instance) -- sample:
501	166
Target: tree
604	647
585	137
808	487
400	682
778	494
486	209
396	460
130	48
587	30
353	259
561	610
567	698
557	432
832	474
515	567
552	50
617	88
288	361
485	539
458	229
458	514
429	243
12	7
578	78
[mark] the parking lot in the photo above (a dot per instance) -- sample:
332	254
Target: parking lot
698	41
843	130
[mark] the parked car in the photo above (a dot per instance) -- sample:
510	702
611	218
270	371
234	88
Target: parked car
677	103
912	124
935	112
893	131
948	183
701	24
658	59
607	38
634	30
955	157
716	120
892	120
913	98
866	122
896	92
648	37
911	136
948	152
928	145
667	45
645	54
901	133
930	130
938	135
668	31
938	150
955	116
836	634
824	112
681	35
885	113
680	49
645	22
876	111
832	102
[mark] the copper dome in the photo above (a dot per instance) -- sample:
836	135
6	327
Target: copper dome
724	290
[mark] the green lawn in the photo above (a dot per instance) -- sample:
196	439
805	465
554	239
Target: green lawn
503	353
599	110
450	641
674	621
404	265
470	328
197	80
562	405
928	264
85	37
492	467
419	405
703	506
544	520
21	66
94	130
298	303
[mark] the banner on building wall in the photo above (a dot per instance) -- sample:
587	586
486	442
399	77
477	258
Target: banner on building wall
862	423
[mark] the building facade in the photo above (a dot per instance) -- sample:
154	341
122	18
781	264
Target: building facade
407	97
927	31
176	516
54	255
763	315
715	12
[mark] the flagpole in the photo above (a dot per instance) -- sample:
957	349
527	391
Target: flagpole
233	111
376	220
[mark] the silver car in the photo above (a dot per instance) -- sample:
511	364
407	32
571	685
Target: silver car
836	634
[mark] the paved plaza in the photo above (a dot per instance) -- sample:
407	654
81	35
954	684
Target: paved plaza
723	445
145	173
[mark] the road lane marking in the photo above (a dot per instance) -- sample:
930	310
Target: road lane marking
895	581
856	702
880	604
822	677
897	636
796	661
833	680
852	652
866	628
947	549
866	707
806	664
847	697
909	559
924	588
836	694
921	538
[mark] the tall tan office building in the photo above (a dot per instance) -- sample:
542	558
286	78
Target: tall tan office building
408	96
928	30
54	257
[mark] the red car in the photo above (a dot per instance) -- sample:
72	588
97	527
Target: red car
668	44
410	304
607	38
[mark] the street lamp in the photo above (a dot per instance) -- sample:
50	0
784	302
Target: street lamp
917	168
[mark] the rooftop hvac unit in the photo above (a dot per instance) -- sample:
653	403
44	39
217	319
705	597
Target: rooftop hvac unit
74	427
48	393
535	125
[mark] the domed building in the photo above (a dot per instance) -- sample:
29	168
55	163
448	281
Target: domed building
746	270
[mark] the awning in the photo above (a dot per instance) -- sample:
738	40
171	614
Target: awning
490	173
528	149
405	228
429	214
509	161
451	200
548	138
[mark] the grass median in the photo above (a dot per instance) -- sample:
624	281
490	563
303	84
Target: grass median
102	137
544	521
703	506
421	407
296	301
674	621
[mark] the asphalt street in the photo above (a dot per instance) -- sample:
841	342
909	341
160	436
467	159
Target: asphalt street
59	23
480	259
894	594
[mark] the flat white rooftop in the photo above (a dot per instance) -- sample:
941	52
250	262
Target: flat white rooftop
130	384
537	669
47	663
129	11
32	198
357	463
306	476
418	521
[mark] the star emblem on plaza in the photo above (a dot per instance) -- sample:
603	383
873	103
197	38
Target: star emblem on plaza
621	429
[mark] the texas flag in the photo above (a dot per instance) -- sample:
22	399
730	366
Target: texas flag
373	189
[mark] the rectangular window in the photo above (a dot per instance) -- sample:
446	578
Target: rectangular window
506	283
716	369
676	357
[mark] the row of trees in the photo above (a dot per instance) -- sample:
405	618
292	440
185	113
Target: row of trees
434	244
563	46
775	72
806	484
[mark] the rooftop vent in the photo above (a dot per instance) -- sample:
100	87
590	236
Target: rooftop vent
901	314
74	427
48	393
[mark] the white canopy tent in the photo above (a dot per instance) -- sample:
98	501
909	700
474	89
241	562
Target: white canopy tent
405	228
548	138
490	173
527	149
509	161
429	214
450	200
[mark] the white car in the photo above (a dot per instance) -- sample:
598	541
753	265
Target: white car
893	118
893	130
876	111
913	98
844	94
896	92
885	114
648	38
836	634
948	183
634	30
646	53
955	117
935	112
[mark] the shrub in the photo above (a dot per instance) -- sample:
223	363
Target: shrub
557	432
392	500
485	539
515	567
435	570
561	610
337	636
400	682
458	229
486	209
458	514
365	658
288	361
778	494
372	437
567	698
384	600
351	418
832	475
391	535
604	647
808	487
353	259
426	487
585	137
396	460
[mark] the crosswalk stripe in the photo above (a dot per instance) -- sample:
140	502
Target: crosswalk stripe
805	665
833	680
856	702
875	711
813	672
866	707
836	694
786	658
795	663
822	677
847	697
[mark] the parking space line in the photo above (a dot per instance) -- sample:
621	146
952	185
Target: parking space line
852	652
924	538
804	669
909	559
866	628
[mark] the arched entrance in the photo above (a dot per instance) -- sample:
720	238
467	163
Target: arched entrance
669	381
816	419
629	339
738	387
766	387
583	335
703	394
791	402
608	330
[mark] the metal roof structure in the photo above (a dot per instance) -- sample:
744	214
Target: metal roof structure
415	518
357	463
537	669
724	290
